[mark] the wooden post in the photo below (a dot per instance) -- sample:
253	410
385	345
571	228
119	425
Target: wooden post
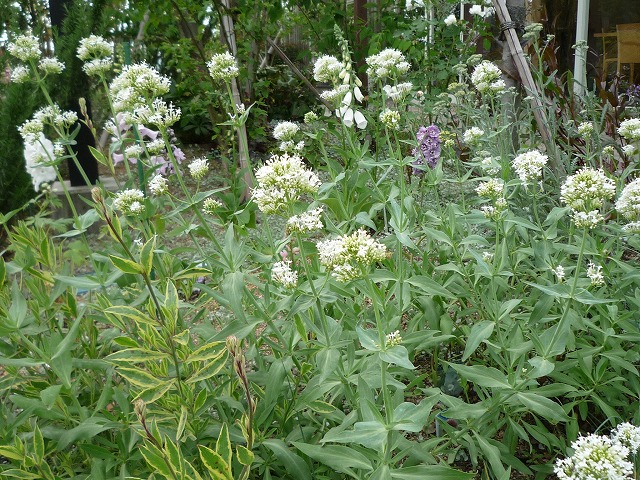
526	78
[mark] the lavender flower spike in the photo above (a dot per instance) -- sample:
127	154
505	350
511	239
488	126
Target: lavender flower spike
428	151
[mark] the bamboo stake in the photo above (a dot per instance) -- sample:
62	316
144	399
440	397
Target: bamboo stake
526	78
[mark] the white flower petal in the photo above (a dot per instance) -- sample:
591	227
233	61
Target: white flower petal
358	94
361	121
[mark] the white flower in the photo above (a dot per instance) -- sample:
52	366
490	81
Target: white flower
211	205
472	135
595	458
559	272
285	131
487	256
346	255
282	180
223	66
306	222
327	69
310	117
133	151
336	95
158	185
450	20
25	48
629	149
41	150
390	119
492	189
588	220
282	273
487	78
393	339
398	92
20	74
350	116
529	165
198	168
129	202
630	129
628	204
414	4
51	66
587	190
156	147
159	114
585	128
388	63
137	86
627	435
94	47
98	66
476	10
594	272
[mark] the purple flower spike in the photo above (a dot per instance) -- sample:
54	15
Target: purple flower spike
428	151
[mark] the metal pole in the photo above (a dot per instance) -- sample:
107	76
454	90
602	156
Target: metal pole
580	57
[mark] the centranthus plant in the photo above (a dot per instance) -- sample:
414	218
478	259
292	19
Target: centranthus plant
411	290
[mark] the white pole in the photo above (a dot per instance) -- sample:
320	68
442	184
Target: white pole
580	62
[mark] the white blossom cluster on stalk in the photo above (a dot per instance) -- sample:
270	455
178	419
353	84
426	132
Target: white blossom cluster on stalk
450	20
306	222
628	205
585	193
36	154
388	63
129	202
158	185
158	113
327	69
285	131
481	11
559	273
491	189
594	273
198	168
392	339
346	256
25	48
310	117
97	55
223	66
529	165
211	205
282	273
595	457
135	89
390	119
628	435
53	116
630	129
585	129
50	66
281	182
472	135
20	74
494	211
398	92
487	78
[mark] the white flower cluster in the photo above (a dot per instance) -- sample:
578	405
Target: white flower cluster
388	63
630	129
586	191
492	189
390	119
595	457
628	204
211	205
310	117
306	222
25	48
594	272
529	165
588	220
628	435
285	131
559	272
481	11
335	95
158	185
282	273
281	181
487	78
392	339
345	256
585	129
92	47
42	150
223	66
493	211
129	202
31	129
327	69
159	114
136	88
198	168
450	20
51	66
20	74
399	91
472	135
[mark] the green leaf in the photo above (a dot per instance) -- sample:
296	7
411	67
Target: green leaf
223	445
542	406
215	464
319	406
135	355
398	355
541	367
429	286
295	466
125	265
18	307
368	339
482	376
479	333
245	456
210	369
561	290
339	457
15	473
86	430
38	445
492	454
139	377
85	283
210	351
66	344
430	472
155	459
146	255
372	434
131	313
11	453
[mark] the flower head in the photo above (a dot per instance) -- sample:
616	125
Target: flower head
390	119
388	63
450	20
630	129
282	273
92	47
198	168
158	185
310	117
25	48
587	190
129	202
398	92
487	78
51	66
136	87
628	204
347	255
20	74
327	69
595	457
392	339
472	135
628	435
594	272
529	165
429	150
306	222
36	155
223	66
211	205
585	129
491	189
285	131
559	272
